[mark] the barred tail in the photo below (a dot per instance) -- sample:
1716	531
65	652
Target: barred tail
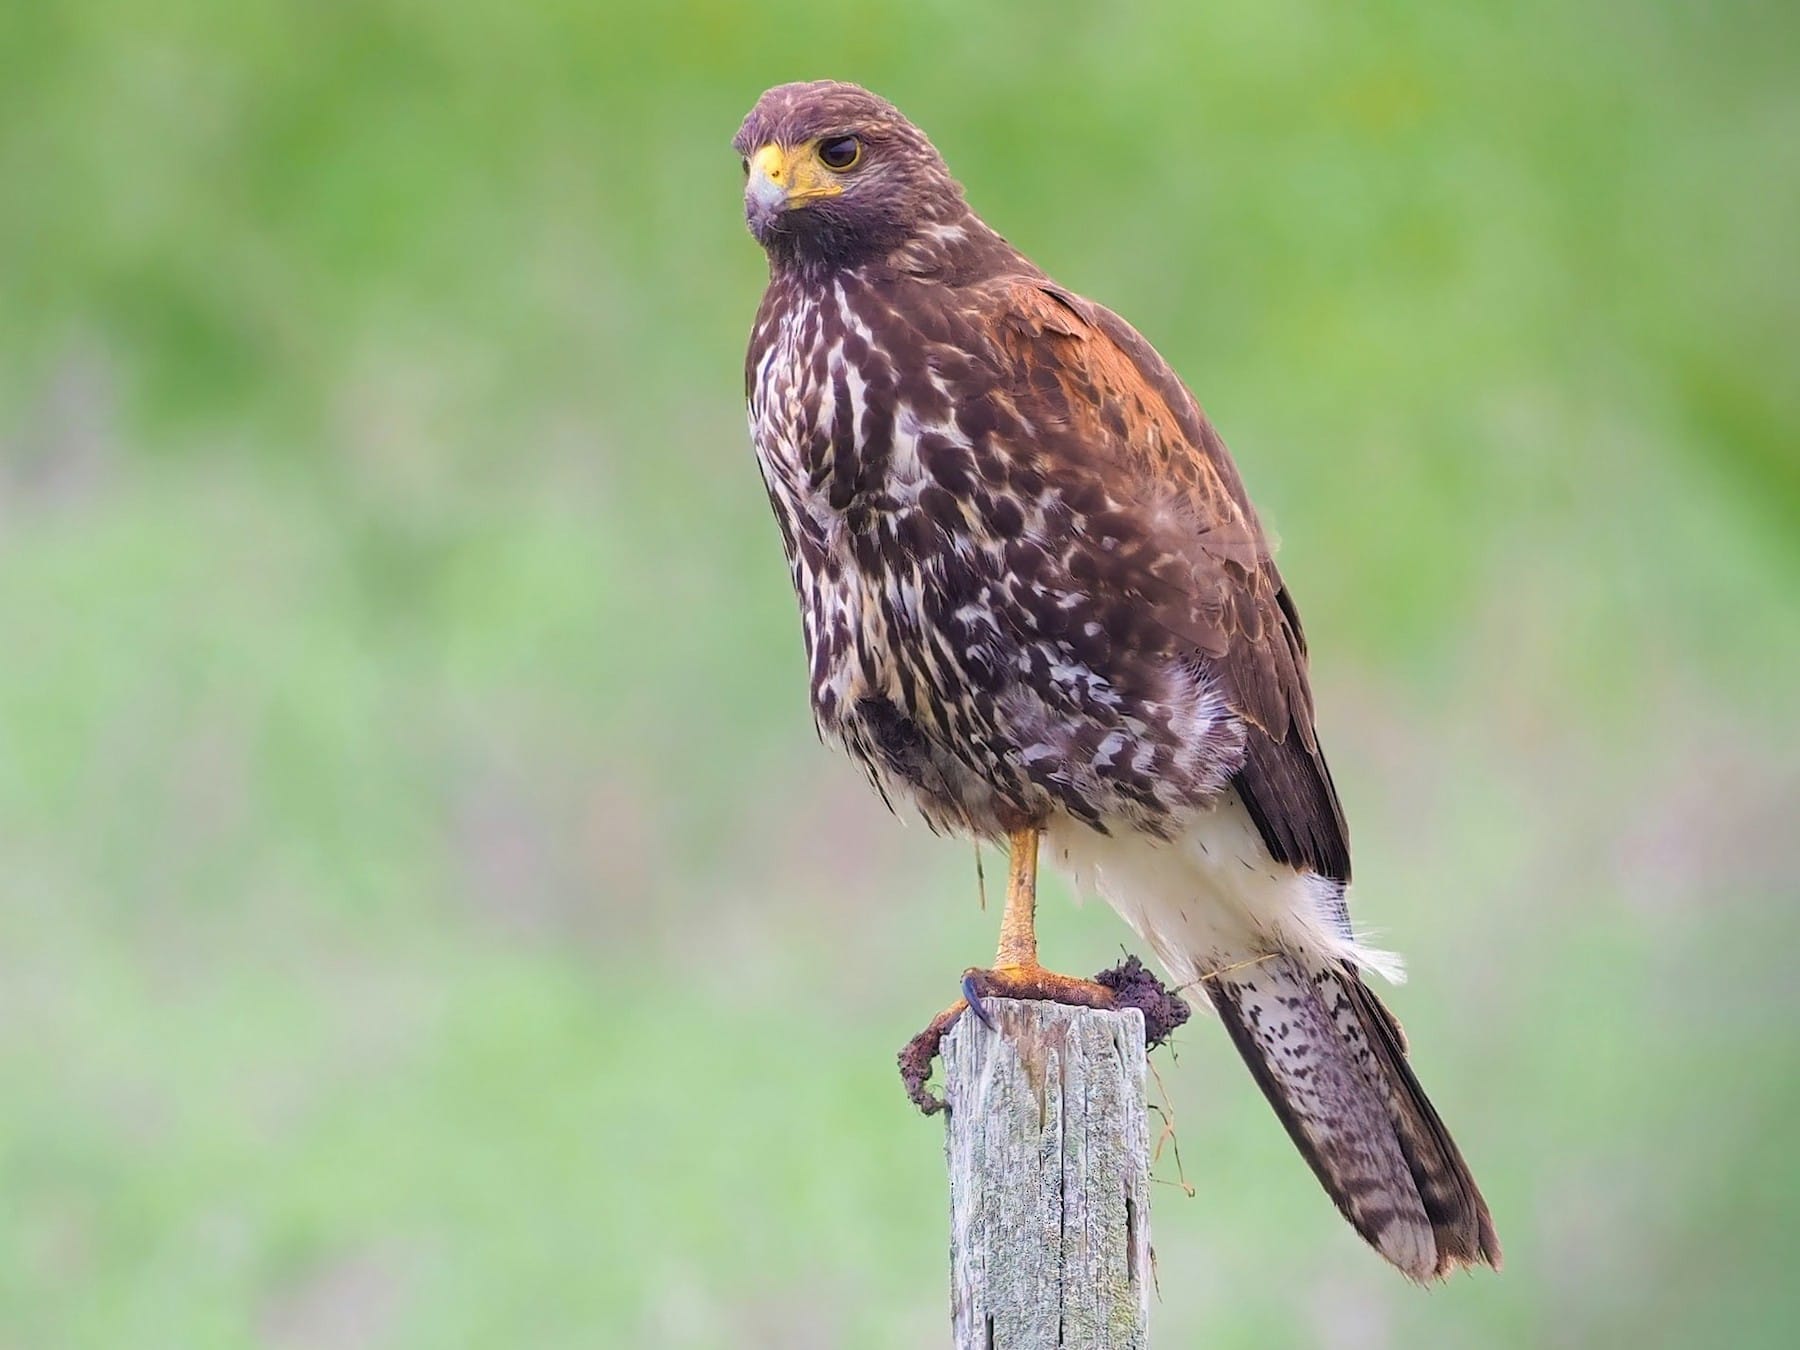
1332	1062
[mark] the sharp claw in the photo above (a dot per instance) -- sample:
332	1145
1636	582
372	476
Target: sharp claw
978	985
971	989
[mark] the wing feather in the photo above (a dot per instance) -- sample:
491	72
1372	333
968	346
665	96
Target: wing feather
1223	598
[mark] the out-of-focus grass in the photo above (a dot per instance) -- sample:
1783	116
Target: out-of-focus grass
426	917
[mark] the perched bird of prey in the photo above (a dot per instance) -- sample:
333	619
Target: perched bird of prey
1037	603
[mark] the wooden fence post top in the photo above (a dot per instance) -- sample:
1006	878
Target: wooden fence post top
1049	1155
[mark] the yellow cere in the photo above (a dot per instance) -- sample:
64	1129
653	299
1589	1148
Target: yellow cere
796	170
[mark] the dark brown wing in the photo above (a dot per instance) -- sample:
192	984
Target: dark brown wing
1093	373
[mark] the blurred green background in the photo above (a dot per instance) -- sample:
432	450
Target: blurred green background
426	918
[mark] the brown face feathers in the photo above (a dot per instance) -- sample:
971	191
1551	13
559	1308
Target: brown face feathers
896	187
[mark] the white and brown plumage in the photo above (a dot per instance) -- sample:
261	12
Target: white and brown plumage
1037	602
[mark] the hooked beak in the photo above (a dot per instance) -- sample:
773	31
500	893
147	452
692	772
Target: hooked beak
782	179
765	191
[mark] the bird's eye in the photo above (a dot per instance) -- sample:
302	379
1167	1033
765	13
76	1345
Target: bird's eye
840	153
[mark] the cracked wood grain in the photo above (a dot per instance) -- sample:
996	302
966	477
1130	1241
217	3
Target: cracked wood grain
1048	1148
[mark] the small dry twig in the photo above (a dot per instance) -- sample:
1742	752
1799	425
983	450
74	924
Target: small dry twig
1226	970
1165	1112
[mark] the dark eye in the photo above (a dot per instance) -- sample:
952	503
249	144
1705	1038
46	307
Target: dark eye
840	152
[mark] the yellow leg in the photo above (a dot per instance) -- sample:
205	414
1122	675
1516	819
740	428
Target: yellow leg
1018	921
1015	974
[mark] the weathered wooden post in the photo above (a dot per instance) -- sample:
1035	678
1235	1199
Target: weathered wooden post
1049	1157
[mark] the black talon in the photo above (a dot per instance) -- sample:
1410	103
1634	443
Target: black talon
972	995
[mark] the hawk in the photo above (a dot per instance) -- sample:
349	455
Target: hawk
1038	604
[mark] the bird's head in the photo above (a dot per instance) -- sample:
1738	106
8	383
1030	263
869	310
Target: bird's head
834	175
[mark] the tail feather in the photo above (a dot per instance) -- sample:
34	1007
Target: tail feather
1332	1062
1459	1216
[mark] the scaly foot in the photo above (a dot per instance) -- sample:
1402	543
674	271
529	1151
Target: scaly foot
1015	973
1013	981
1031	982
